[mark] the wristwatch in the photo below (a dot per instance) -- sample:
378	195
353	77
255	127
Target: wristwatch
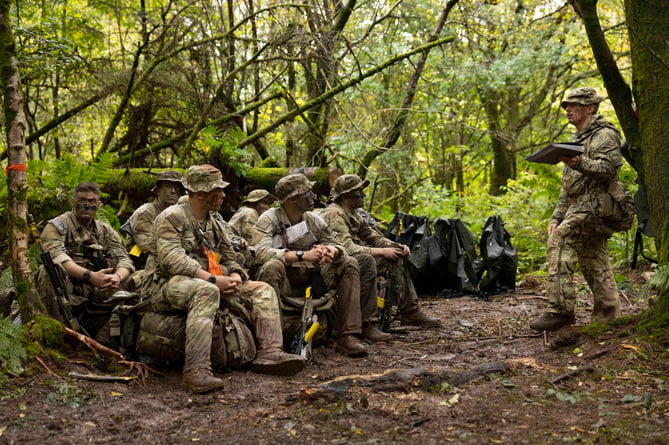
299	255
212	279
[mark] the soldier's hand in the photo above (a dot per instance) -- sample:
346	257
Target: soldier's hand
103	278
551	228
391	253
229	284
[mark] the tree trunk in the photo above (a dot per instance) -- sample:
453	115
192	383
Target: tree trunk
647	22
17	184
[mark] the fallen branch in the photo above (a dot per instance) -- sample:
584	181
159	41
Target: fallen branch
573	372
48	370
102	378
140	369
398	380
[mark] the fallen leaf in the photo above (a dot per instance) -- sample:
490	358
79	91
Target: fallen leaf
631	347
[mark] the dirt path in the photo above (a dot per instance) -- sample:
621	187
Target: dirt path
562	388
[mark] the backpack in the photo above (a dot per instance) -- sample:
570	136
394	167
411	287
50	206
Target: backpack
615	206
162	338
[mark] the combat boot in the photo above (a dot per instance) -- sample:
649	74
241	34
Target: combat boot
551	321
373	334
278	363
201	381
419	318
351	346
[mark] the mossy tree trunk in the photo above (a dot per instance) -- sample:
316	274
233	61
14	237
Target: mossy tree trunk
647	22
17	184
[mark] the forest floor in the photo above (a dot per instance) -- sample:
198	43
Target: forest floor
605	386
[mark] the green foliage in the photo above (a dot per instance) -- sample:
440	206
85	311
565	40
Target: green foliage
226	143
12	351
70	395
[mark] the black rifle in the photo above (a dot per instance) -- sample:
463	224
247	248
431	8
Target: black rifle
57	281
301	344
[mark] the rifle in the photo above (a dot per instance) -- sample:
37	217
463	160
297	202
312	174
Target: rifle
301	344
57	280
388	298
387	301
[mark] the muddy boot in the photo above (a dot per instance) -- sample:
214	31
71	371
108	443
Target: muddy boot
351	346
551	321
419	318
278	363
201	381
373	334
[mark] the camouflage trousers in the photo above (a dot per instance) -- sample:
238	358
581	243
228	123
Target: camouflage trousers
408	296
591	252
370	268
342	275
83	300
201	299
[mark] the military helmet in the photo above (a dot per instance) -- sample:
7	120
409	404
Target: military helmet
204	178
168	176
258	195
292	185
582	96
345	184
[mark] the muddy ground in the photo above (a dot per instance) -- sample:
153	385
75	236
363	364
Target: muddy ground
559	388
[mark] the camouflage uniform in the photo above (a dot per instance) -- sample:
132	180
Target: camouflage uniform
342	274
358	238
243	221
139	226
177	255
94	248
581	236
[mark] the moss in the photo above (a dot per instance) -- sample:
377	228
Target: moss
47	331
596	329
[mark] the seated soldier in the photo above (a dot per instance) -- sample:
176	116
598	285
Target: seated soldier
243	221
361	240
93	259
137	229
188	245
295	242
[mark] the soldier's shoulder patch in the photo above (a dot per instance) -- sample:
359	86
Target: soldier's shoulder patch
264	225
59	224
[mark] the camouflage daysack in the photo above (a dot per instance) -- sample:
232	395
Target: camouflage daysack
615	206
162	338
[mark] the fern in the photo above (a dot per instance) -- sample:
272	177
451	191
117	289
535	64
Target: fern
12	352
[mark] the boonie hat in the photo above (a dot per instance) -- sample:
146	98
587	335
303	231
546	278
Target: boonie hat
204	178
582	96
168	176
259	195
292	185
345	184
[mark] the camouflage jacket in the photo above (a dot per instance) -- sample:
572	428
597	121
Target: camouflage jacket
597	167
242	224
274	243
141	224
67	240
354	232
176	244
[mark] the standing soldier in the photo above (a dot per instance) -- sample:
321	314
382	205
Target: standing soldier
169	186
576	233
189	244
92	257
295	242
362	241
